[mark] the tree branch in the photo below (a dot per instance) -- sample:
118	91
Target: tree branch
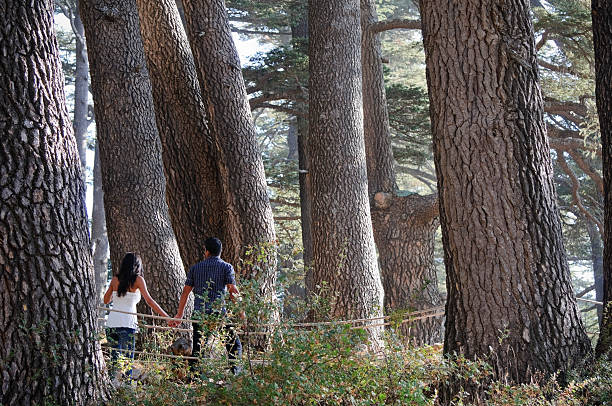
242	31
575	186
553	106
561	69
256	101
586	168
570	144
542	40
587	290
387	25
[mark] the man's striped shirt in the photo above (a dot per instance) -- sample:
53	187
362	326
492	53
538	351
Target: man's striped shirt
208	279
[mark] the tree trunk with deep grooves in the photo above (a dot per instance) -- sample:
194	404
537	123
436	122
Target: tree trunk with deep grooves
248	215
130	150
343	244
602	41
510	296
48	350
405	243
99	236
194	193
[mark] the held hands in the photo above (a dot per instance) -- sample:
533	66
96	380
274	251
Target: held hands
175	323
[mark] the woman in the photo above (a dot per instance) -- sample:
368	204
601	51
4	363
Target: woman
125	291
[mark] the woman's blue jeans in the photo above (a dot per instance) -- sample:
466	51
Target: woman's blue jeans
123	339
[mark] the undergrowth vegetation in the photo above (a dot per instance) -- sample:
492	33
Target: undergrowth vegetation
335	365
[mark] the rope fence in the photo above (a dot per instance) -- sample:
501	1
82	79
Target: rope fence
412	316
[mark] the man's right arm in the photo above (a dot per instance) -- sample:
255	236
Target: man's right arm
179	314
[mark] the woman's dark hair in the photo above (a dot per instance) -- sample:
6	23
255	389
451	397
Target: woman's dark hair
131	268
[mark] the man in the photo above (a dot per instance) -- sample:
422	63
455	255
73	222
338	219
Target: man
209	280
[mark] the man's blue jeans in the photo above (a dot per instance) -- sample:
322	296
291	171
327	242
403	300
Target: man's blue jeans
121	338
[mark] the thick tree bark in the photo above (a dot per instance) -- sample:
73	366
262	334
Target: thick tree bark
48	350
510	296
194	193
405	242
602	41
99	237
343	244
137	216
248	215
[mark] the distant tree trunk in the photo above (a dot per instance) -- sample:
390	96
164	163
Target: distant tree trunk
292	142
299	34
407	227
194	193
305	192
510	296
404	226
597	260
137	216
343	244
248	215
99	237
81	91
377	135
602	41
48	350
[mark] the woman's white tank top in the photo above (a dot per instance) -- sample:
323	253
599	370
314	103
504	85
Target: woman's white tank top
126	303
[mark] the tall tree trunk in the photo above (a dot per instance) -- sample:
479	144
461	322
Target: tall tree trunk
81	90
602	41
299	34
194	193
99	237
248	215
305	193
405	239
343	244
48	350
510	296
597	260
137	216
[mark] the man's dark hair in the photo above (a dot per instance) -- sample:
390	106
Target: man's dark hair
214	246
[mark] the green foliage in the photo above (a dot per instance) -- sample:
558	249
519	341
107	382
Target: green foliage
390	9
332	364
267	14
409	121
67	48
